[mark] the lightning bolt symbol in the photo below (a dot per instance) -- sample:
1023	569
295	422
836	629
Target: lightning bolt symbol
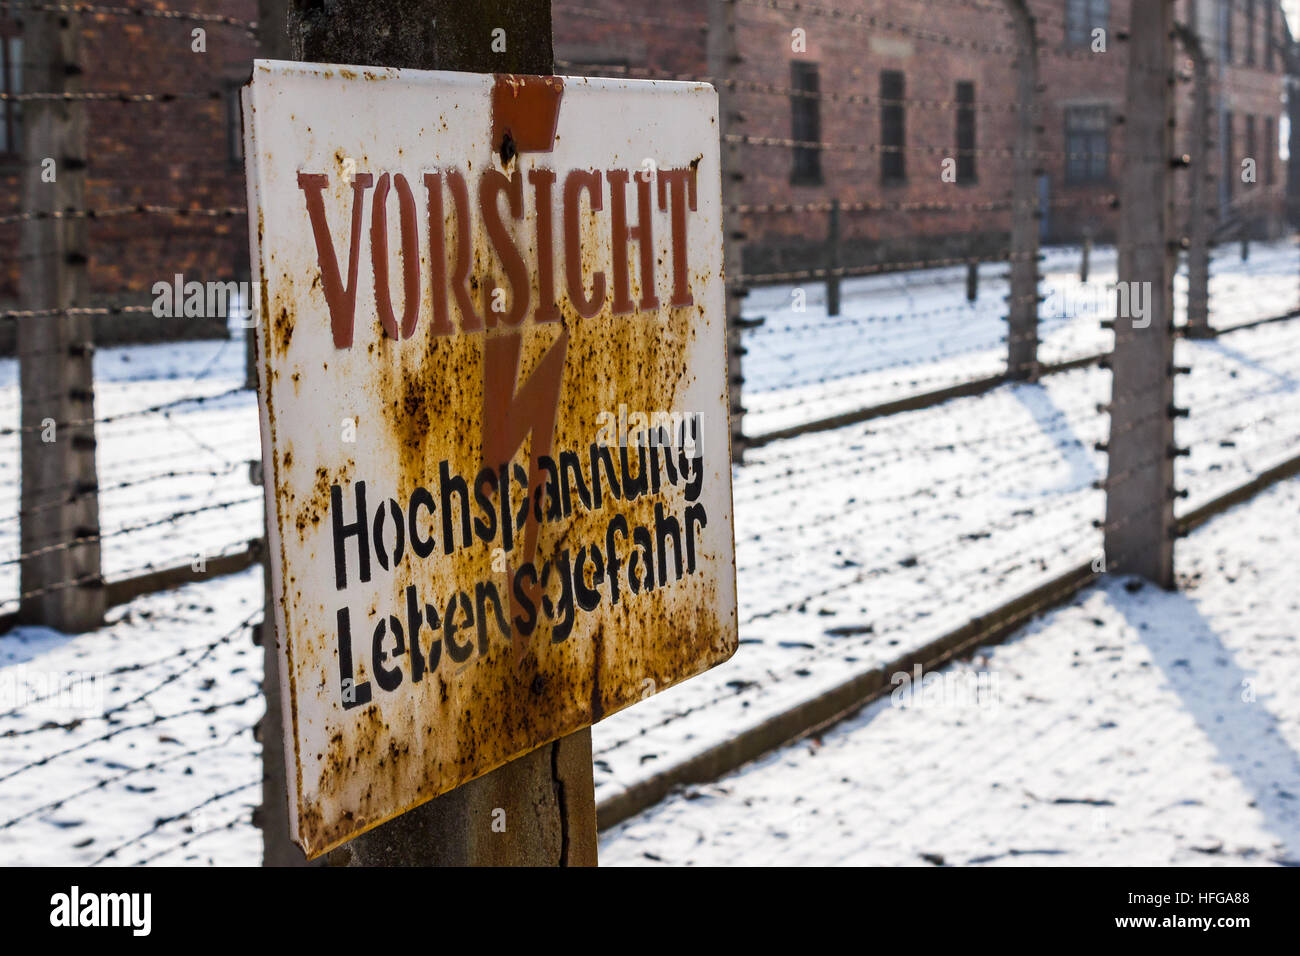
510	413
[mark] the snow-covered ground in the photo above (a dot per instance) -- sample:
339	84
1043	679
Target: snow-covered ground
853	546
1131	727
134	742
174	483
910	332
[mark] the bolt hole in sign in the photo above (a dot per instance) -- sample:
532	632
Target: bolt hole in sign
492	359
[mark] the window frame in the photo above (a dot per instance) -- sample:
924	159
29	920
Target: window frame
1252	144
1073	132
805	123
11	80
893	117
234	123
1270	151
1249	13
1229	152
1077	26
1270	57
1226	10
966	121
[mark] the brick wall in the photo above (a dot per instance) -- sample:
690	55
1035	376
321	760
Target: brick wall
179	153
934	44
164	153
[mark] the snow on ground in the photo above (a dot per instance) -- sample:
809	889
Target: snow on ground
1132	727
853	546
856	545
174	484
903	333
134	743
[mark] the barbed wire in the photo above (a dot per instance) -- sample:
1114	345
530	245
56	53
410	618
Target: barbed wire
218	212
110	97
155	13
154	721
173	818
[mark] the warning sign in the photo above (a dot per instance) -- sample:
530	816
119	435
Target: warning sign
494	416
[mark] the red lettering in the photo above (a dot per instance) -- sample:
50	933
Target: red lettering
410	257
437	254
469	318
547	310
341	299
493	183
574	185
680	185
621	234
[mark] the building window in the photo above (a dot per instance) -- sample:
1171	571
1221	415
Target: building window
1082	17
805	124
11	65
1087	144
1268	36
965	132
893	129
1252	143
1270	150
1250	32
1225	34
234	127
1232	168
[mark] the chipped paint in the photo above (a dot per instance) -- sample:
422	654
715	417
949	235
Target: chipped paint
394	404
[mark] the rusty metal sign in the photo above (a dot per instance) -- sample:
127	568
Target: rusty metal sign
494	416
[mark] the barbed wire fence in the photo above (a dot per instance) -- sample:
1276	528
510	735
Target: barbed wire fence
844	344
856	312
126	470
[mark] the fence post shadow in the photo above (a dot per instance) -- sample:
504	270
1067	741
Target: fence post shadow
1213	690
1075	452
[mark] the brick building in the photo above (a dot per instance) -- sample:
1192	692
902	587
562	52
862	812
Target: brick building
861	101
890	89
180	152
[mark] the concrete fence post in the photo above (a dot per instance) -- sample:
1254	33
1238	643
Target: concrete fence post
833	259
723	59
1139	524
272	817
1199	146
60	579
1022	317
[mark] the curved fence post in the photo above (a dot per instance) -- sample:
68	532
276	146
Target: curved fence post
1022	313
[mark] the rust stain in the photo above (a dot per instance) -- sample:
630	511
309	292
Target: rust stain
417	406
